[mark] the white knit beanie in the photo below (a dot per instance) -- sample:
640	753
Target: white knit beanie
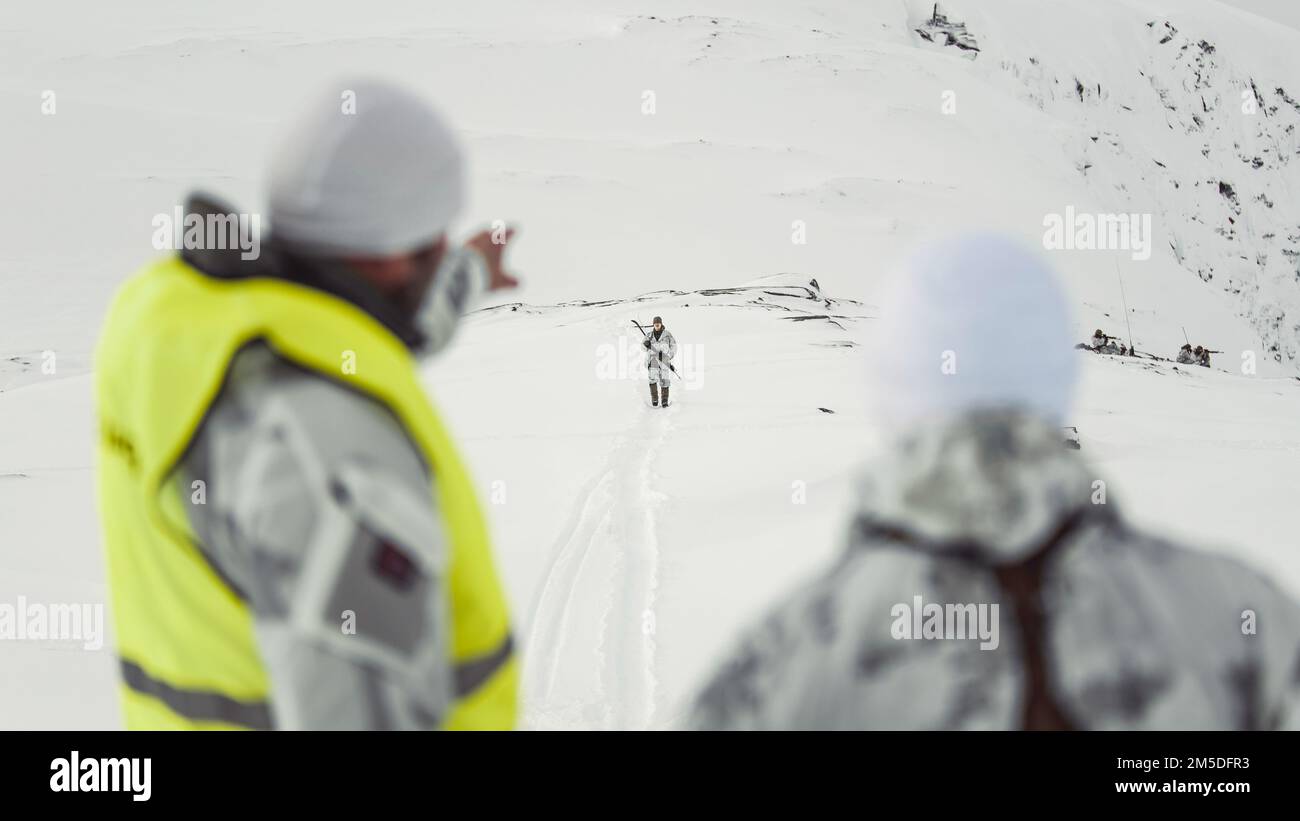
385	179
973	323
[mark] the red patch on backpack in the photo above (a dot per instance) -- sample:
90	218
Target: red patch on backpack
395	565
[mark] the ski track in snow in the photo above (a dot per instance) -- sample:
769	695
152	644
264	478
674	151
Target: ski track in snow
587	669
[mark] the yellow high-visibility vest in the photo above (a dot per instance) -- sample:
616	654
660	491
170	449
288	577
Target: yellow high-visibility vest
185	637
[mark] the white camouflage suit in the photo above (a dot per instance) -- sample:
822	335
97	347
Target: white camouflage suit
1120	629
665	346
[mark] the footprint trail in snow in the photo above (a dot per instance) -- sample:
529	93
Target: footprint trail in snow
590	659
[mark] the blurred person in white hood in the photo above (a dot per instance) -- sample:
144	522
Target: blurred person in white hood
987	581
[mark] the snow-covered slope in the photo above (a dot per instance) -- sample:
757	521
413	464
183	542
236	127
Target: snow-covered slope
767	121
642	536
1278	11
634	541
49	554
1187	112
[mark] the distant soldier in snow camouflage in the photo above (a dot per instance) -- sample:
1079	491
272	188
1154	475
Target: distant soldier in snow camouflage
976	503
661	347
1101	343
1185	355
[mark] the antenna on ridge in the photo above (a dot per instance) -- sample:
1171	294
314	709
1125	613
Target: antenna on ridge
1124	299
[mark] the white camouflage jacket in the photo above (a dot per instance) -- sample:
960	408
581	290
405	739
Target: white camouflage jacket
1099	626
660	355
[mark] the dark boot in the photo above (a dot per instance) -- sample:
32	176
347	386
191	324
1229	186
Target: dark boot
654	394
665	389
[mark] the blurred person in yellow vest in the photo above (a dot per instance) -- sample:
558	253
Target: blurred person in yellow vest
292	539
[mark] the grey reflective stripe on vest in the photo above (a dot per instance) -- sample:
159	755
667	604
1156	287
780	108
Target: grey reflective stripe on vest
197	705
470	675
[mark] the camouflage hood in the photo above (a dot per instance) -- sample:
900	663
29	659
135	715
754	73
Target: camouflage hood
992	484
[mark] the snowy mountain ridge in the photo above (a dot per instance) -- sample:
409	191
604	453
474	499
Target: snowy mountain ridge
1202	136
